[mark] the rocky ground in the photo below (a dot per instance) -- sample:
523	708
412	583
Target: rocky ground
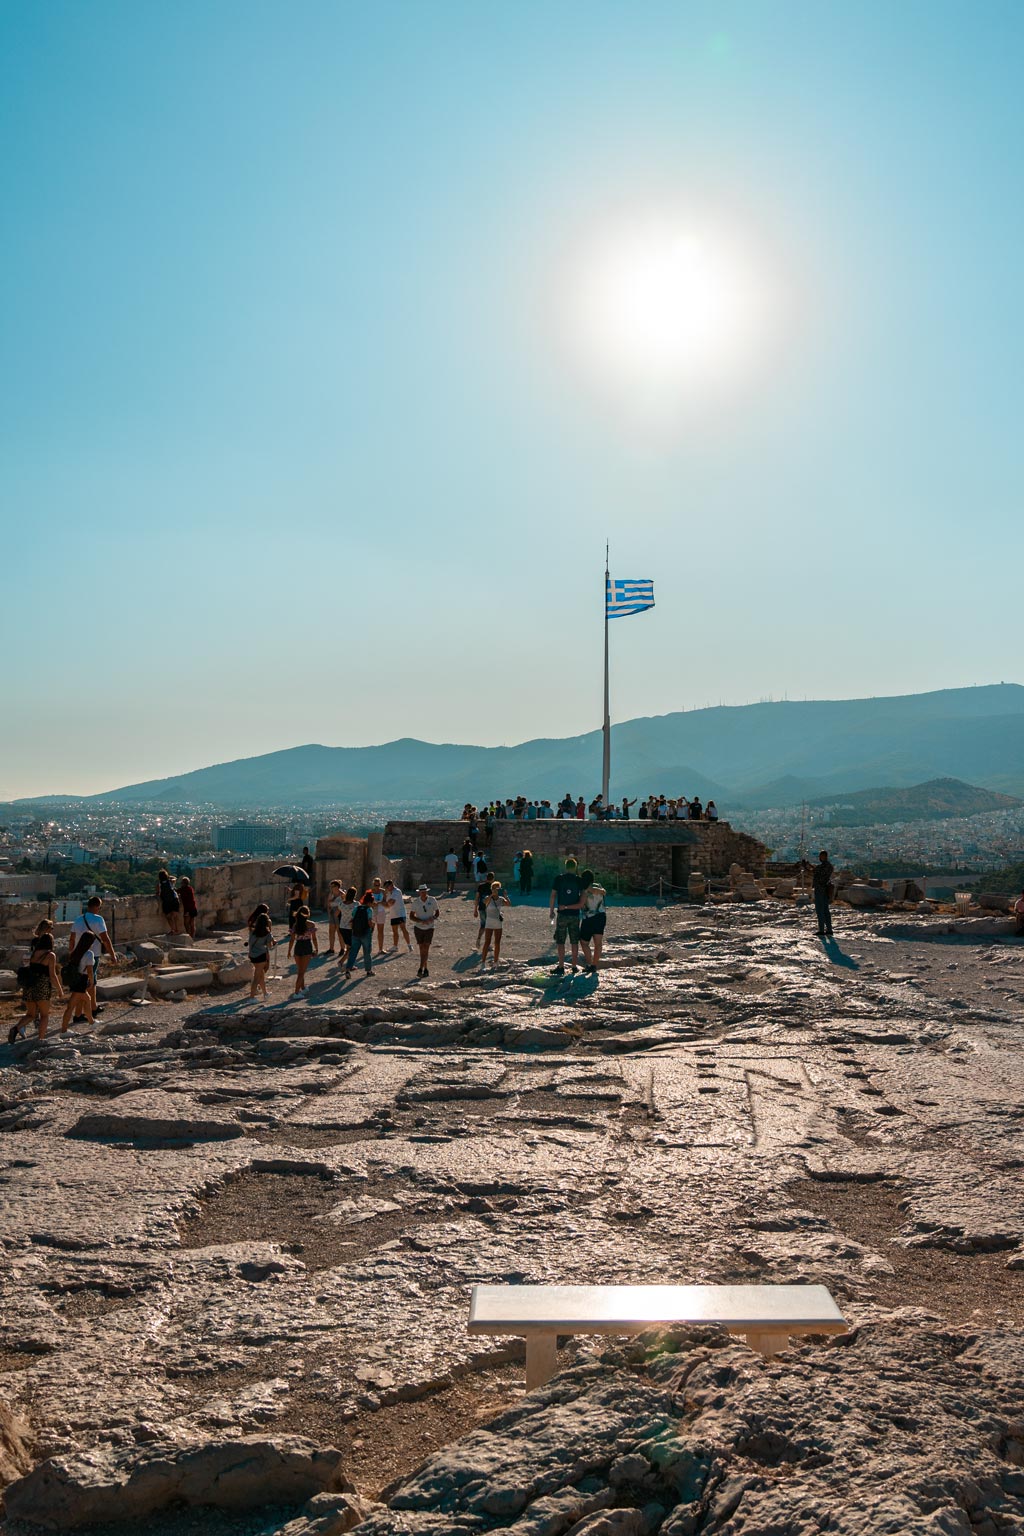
238	1240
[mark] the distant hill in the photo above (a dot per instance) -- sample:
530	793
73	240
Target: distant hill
752	755
938	800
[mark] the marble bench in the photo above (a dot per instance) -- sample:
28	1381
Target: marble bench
766	1316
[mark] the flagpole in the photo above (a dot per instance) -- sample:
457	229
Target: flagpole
607	760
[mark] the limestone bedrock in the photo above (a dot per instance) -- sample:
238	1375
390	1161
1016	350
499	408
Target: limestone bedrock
226	1225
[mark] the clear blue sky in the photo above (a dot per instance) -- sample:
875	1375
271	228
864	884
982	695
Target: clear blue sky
282	322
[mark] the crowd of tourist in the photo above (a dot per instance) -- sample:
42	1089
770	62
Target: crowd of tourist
653	808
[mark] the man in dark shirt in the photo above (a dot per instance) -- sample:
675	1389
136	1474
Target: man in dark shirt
566	893
821	879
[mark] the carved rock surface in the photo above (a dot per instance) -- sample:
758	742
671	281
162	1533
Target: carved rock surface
67	1493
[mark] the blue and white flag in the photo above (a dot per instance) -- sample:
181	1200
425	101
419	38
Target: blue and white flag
625	597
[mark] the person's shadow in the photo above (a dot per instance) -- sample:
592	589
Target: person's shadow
838	956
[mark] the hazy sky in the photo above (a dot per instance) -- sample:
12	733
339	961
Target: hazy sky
301	437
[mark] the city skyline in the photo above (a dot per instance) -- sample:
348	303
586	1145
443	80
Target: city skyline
325	375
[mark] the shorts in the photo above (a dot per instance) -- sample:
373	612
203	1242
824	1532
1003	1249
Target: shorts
593	923
396	922
260	959
346	934
423	935
567	926
304	947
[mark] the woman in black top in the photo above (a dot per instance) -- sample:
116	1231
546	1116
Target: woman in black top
170	902
40	979
305	946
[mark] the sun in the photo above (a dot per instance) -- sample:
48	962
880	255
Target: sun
659	306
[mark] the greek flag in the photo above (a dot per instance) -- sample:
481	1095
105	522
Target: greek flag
625	597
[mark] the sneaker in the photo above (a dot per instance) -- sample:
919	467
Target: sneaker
12	1034
347	975
559	970
426	973
79	1018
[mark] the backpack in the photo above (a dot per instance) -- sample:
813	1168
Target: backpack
360	922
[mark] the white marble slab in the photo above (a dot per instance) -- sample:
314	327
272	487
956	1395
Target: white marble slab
520	1309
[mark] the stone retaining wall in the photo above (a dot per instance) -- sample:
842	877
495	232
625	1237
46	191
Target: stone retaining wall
226	894
638	853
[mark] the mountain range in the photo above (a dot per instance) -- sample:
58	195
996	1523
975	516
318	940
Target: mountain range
938	800
743	756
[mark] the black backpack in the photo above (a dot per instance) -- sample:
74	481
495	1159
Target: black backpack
360	922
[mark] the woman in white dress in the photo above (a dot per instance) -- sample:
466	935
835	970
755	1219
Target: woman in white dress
493	921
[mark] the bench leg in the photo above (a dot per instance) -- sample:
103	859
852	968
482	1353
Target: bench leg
541	1358
767	1343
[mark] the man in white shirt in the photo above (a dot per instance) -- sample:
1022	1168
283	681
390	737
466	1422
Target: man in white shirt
424	911
451	869
91	922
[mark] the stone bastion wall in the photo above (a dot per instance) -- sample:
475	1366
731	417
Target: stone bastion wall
226	894
639	853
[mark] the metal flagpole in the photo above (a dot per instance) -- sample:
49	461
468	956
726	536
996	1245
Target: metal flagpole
607	760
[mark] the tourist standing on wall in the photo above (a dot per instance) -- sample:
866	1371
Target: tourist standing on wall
189	905
39	980
424	911
362	934
592	921
624	813
821	879
526	873
711	811
309	865
566	892
451	869
261	942
467	857
493	921
91	923
170	903
305	946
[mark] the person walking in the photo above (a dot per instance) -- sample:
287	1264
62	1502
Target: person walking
345	909
493	921
90	922
39	979
451	869
296	901
189	905
821	879
395	903
75	978
170	902
380	910
566	892
592	921
424	911
362	934
334	899
526	873
305	946
483	890
261	942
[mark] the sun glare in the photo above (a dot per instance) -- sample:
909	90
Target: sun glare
660	308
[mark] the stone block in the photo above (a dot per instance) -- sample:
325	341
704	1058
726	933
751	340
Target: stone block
994	901
146	952
111	988
236	975
8	983
180	980
860	895
196	955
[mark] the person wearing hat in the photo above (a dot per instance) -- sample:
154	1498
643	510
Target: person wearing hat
424	911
